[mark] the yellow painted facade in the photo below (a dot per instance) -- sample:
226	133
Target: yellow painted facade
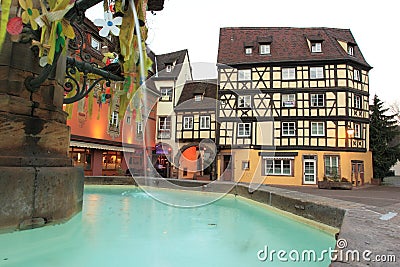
255	173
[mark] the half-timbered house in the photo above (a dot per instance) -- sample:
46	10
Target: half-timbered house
196	129
172	71
293	106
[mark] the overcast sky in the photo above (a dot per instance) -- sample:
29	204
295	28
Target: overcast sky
194	25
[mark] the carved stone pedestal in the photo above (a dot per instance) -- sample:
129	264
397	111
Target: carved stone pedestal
38	184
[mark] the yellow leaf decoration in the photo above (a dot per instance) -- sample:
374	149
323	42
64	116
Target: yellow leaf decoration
67	29
5	12
29	14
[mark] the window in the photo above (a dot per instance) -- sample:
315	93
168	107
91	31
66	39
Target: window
316	72
288	128
81	157
198	98
244	75
187	123
317	100
350	50
265	49
244	101
246	165
168	67
205	122
166	94
356	75
244	129
288	73
289	100
332	166
111	160
248	50
316	47
164	127
278	167
128	119
139	128
357	101
317	129
95	43
357	130
114	119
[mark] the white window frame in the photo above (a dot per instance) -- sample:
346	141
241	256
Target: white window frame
139	128
114	120
315	100
288	73
244	75
246	165
198	98
330	165
316	47
357	102
168	67
357	130
350	50
356	75
288	100
317	129
244	129
165	131
244	101
265	49
272	165
248	50
205	122
288	128
316	73
166	94
188	123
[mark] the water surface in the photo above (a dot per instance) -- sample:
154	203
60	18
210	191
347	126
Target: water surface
123	226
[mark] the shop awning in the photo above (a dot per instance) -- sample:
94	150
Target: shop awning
101	146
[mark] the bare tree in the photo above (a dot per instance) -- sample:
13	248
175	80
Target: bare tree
394	108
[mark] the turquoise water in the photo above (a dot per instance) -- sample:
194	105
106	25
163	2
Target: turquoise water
123	226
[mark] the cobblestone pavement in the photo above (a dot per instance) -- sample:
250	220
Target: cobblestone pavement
364	227
379	196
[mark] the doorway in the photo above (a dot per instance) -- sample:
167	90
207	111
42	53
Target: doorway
226	174
357	173
310	171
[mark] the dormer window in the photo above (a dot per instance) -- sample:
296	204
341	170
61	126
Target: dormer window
168	67
265	49
248	47
350	50
198	98
248	50
316	47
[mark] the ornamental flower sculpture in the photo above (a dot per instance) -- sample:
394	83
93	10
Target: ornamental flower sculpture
30	13
108	24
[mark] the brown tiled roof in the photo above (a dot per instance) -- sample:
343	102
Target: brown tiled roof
163	60
207	88
287	45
